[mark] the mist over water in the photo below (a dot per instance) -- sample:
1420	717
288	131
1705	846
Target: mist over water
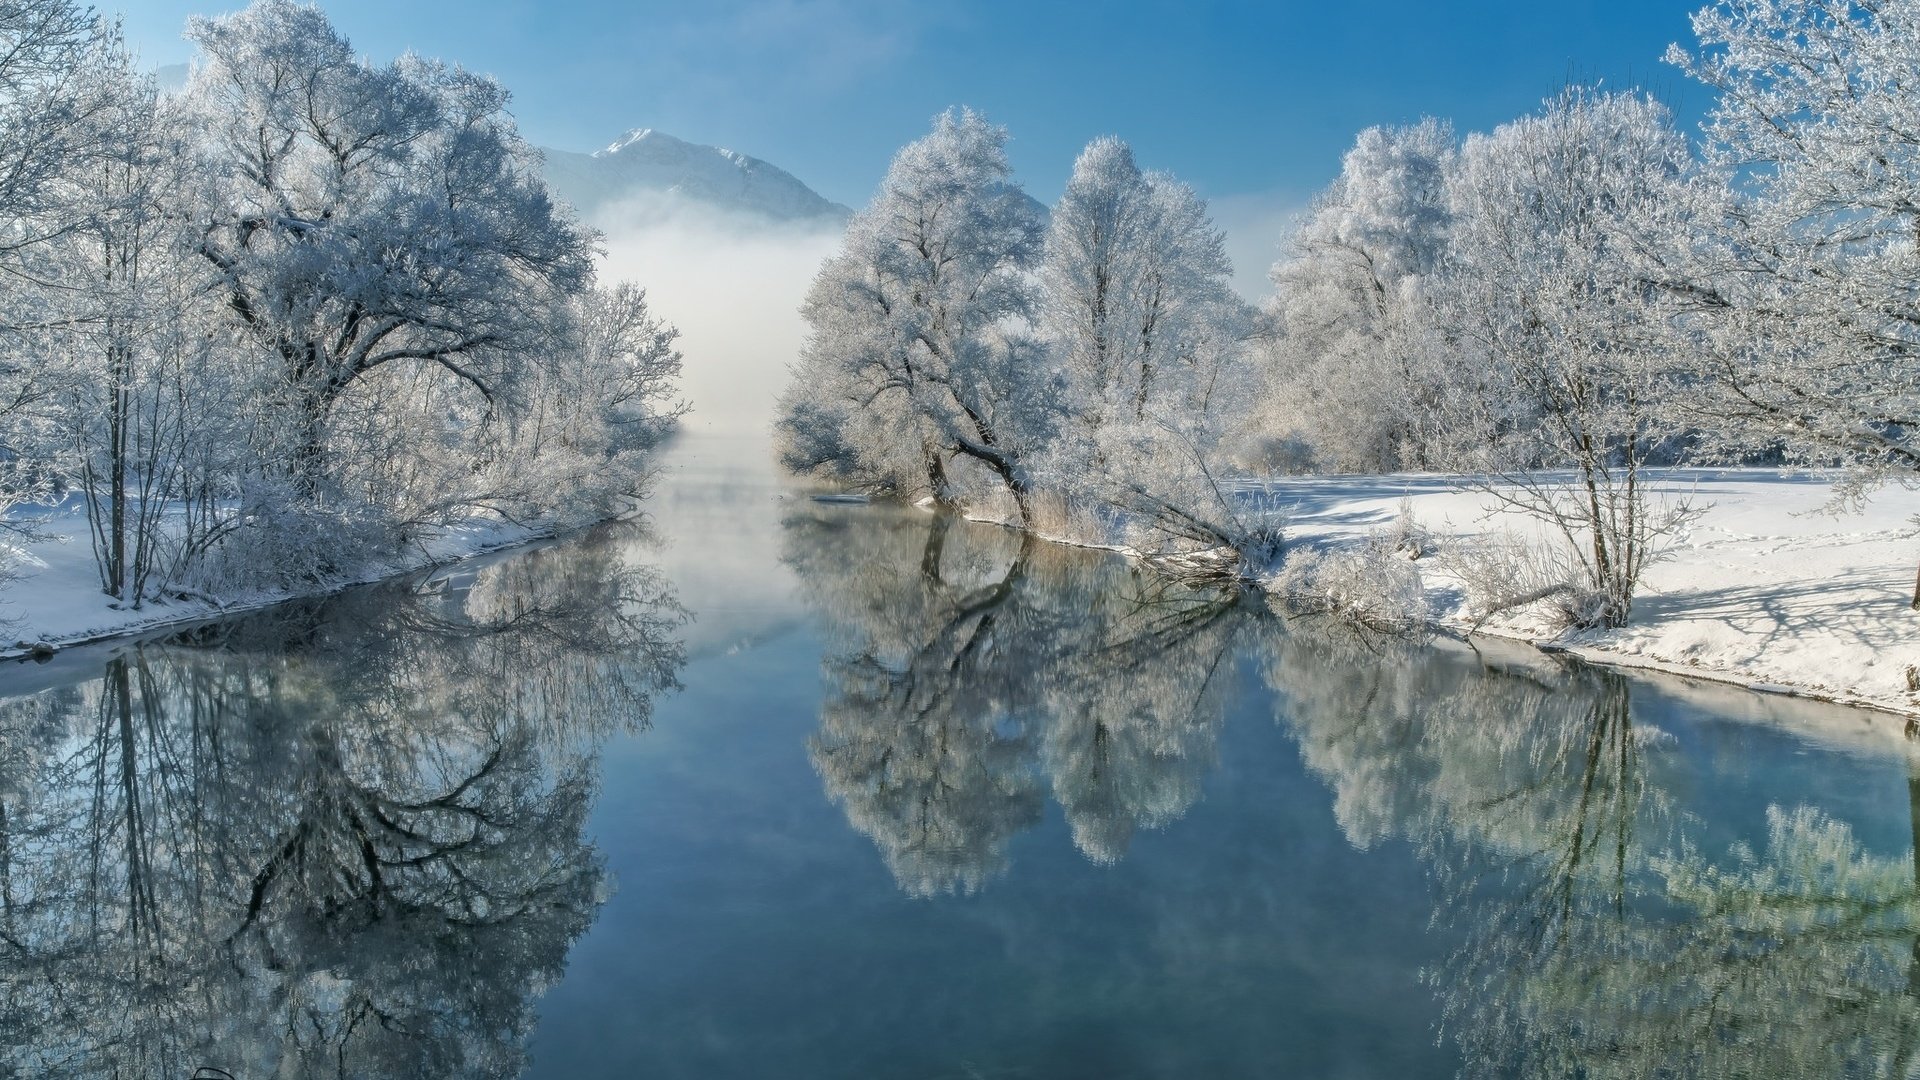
733	285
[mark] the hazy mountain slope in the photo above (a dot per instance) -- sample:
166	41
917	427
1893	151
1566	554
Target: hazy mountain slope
648	172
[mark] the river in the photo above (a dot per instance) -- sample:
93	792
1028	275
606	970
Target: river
763	787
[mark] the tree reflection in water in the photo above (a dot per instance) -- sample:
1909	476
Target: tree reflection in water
346	838
342	838
1594	930
970	666
1597	935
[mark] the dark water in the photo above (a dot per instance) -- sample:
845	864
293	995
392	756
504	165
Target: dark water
912	800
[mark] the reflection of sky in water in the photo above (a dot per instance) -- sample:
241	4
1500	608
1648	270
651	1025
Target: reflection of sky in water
718	509
935	804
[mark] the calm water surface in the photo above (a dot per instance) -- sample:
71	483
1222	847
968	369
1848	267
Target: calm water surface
772	789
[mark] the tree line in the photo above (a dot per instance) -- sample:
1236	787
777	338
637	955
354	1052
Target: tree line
1550	308
299	315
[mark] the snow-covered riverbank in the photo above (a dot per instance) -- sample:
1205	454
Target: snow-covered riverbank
56	600
1764	589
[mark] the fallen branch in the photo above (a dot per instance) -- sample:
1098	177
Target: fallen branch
1556	589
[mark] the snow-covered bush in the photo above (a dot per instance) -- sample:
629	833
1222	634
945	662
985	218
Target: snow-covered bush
1061	515
1371	585
578	445
1504	572
284	544
1406	536
1268	454
1261	540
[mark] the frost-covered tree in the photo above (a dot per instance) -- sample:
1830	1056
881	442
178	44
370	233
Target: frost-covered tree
381	323
50	131
914	379
1356	367
1095	243
365	217
572	443
49	123
1560	219
1149	338
582	442
133	346
1136	289
1814	316
300	314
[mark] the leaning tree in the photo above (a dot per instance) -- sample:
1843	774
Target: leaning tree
911	359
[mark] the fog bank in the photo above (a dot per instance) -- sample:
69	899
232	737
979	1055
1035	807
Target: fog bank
733	286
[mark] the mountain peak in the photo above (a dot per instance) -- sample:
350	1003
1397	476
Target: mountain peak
649	171
635	135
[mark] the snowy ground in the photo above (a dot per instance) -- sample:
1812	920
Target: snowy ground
1765	589
709	485
57	599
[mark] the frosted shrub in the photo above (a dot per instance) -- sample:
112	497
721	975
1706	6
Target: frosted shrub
1274	455
1261	541
1406	536
1372	586
1060	515
1505	573
287	545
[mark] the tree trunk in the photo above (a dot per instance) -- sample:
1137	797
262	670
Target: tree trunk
990	454
937	478
1017	487
117	421
1021	499
309	458
317	393
1916	591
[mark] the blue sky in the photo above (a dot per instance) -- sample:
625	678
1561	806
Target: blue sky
1239	99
